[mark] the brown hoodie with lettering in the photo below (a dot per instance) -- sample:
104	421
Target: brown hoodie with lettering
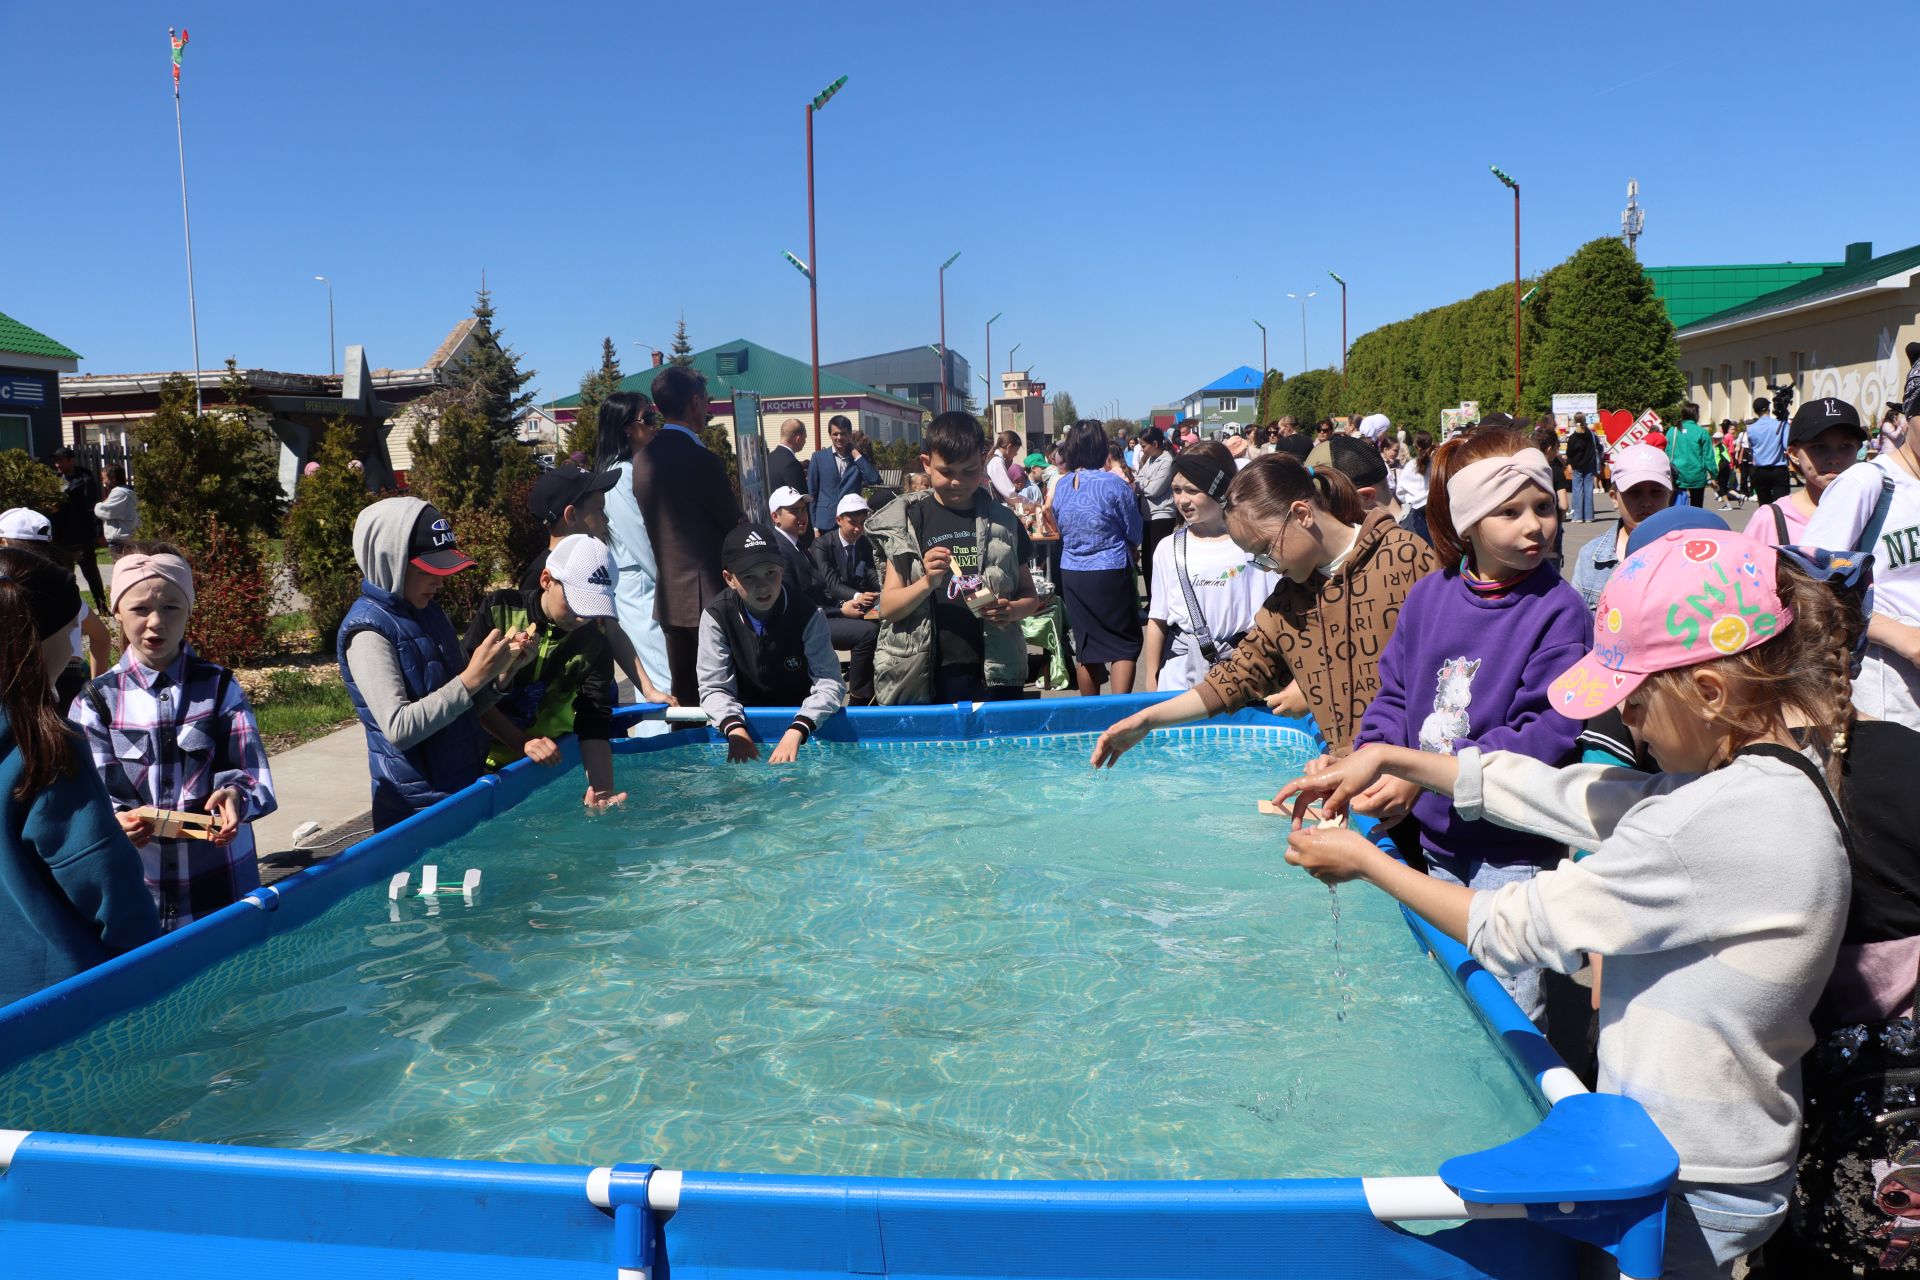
1327	633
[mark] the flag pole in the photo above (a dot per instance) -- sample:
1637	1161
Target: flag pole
186	219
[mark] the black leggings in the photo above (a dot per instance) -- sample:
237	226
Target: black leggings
83	559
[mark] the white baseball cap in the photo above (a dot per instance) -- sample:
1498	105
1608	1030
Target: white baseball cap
24	524
785	496
1638	463
583	566
850	504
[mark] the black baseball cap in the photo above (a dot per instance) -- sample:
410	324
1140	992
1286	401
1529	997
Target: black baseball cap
1816	417
748	547
1296	444
564	487
432	548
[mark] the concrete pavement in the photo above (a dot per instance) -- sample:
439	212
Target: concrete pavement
323	781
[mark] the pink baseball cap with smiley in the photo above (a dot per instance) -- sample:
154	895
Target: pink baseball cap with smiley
1689	597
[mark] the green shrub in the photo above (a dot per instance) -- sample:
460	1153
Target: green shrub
27	482
200	467
319	534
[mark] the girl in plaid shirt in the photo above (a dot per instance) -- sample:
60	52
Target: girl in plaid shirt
169	729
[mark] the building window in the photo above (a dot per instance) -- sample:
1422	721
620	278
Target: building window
1229	403
16	432
1773	371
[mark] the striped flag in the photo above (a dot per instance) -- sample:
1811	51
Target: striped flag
179	47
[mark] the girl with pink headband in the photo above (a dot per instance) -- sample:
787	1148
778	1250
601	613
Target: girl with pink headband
170	730
1469	662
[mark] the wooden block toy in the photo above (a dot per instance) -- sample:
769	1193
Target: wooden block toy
172	824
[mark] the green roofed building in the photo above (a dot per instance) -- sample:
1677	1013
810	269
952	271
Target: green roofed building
30	367
785	388
1840	331
1693	293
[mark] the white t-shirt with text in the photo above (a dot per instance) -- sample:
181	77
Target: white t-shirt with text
1230	590
1888	687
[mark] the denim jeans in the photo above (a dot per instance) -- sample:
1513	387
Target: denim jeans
1583	495
1482	877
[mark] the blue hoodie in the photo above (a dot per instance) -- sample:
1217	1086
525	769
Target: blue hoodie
71	889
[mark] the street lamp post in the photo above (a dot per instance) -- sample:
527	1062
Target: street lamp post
650	349
331	367
1508	181
943	331
986	377
1311	293
1263	352
1343	327
1016	347
813	252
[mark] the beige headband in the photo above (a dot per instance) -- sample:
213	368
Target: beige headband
1480	488
130	571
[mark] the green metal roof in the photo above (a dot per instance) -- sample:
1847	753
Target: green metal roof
1693	293
1836	279
25	341
768	373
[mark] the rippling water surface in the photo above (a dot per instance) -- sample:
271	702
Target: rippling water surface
972	961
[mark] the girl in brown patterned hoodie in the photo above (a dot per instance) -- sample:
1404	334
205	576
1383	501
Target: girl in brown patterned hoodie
1344	573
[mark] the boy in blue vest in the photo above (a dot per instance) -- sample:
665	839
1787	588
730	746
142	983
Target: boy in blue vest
416	692
762	645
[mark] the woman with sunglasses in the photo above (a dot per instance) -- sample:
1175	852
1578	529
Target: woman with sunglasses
1315	644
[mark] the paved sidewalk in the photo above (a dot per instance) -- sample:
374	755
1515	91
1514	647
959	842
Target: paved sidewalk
323	781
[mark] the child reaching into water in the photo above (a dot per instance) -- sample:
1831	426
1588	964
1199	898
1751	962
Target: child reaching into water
1469	663
171	730
1717	890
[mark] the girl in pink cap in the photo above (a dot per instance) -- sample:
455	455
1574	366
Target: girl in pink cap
1717	890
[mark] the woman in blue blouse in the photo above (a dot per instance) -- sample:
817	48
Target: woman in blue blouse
1099	519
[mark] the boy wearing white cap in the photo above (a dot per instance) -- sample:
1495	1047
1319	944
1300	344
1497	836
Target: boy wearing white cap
848	623
567	687
29	530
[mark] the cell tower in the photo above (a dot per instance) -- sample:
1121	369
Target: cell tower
1633	219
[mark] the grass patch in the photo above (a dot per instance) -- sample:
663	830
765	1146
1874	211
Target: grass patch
282	627
293	709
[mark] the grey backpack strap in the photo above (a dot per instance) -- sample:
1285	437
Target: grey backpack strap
1208	649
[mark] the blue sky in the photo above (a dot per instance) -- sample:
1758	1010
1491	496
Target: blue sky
1130	184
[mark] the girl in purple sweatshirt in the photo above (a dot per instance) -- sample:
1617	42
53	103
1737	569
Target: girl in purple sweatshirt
1470	661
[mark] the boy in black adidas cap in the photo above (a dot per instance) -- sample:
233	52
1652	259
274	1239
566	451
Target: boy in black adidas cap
763	646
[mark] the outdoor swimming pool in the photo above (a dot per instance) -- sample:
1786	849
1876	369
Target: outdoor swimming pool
1117	923
983	960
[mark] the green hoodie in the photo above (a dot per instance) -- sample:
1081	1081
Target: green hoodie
1691	451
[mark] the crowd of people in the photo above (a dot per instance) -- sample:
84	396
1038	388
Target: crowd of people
1686	756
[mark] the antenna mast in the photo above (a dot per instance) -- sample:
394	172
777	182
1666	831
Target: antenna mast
1633	219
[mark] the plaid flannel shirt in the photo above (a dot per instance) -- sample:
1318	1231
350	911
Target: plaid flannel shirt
171	739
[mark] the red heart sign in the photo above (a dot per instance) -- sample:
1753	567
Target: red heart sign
1614	424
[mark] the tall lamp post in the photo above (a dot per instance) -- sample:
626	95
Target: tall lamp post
1508	181
331	368
813	252
1015	347
987	378
1263	351
1311	293
943	331
1343	326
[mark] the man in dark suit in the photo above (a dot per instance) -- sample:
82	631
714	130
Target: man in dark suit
849	620
784	468
688	505
845	557
834	473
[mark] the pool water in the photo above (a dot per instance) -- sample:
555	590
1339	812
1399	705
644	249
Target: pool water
955	959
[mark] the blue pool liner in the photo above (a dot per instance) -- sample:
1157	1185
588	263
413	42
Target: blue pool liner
1595	1169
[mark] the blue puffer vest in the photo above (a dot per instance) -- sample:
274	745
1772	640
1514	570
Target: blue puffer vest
405	782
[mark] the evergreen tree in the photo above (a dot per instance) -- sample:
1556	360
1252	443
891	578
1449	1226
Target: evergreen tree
213	465
1065	412
319	533
595	387
1603	331
491	373
456	459
1267	410
682	352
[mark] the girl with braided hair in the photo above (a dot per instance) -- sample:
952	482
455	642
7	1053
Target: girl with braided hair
1717	890
71	889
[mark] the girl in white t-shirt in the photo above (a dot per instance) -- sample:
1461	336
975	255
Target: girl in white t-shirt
1888	686
1226	585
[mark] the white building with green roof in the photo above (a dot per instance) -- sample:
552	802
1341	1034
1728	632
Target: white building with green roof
785	387
30	367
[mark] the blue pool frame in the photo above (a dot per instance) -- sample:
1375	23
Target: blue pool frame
1595	1169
